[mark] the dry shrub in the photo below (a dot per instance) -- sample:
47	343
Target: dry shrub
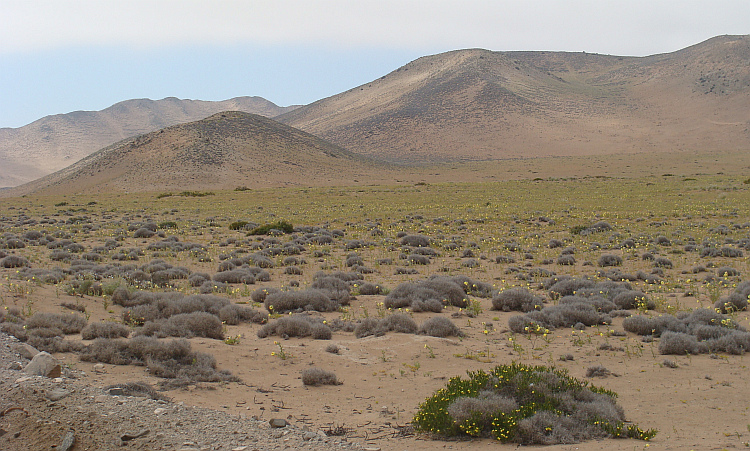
173	360
517	299
316	376
185	325
234	314
303	300
437	326
297	326
106	329
68	323
399	322
678	343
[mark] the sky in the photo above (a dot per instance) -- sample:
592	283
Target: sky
58	56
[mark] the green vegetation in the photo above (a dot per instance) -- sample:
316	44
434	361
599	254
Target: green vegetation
526	404
282	226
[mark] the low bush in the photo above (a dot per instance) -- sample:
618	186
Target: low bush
437	326
609	260
398	322
297	326
106	329
173	360
527	405
316	376
303	300
68	323
265	229
517	299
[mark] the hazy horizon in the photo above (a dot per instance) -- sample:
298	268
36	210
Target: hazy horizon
59	57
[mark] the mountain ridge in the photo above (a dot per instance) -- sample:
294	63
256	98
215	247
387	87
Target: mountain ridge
56	141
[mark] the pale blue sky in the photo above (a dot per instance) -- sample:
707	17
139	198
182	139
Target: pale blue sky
58	56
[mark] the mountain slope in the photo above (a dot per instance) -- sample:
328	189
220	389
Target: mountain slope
477	104
223	151
54	142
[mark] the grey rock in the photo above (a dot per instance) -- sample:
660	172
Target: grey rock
278	423
116	391
68	441
24	350
43	364
57	394
15	366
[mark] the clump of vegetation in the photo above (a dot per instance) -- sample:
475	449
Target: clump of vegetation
279	226
316	376
525	404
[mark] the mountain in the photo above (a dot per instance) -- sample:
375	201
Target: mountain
483	105
54	142
224	151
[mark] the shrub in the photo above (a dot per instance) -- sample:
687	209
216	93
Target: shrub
234	314
281	226
398	322
14	261
415	241
105	329
427	295
437	326
662	262
527	405
516	299
609	260
416	259
234	276
631	299
185	325
296	326
678	343
597	371
68	323
566	260
316	376
173	360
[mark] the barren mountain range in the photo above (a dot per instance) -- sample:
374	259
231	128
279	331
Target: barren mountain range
54	142
479	105
464	105
225	151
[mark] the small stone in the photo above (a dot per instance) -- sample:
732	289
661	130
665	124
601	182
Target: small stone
99	368
278	423
116	391
43	364
159	411
68	441
307	436
57	394
101	398
127	437
239	448
15	366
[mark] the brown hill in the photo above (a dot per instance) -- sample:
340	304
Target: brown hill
54	142
477	105
224	151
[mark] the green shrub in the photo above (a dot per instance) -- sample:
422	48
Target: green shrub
282	226
168	225
237	225
525	404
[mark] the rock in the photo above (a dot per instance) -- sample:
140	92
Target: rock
24	350
127	436
99	368
57	394
239	448
307	436
278	423
15	366
116	391
159	411
43	364
68	441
